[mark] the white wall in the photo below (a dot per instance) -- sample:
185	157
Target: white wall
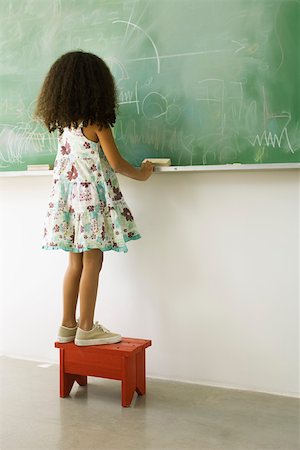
214	281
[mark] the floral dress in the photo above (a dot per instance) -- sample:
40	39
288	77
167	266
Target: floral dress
86	208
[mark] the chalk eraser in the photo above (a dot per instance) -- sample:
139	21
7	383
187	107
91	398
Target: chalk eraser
159	161
39	167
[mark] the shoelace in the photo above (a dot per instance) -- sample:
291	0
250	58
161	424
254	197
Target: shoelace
101	327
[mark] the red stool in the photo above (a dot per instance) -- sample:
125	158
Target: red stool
123	361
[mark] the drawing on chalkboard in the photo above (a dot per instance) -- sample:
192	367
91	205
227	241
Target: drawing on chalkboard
202	82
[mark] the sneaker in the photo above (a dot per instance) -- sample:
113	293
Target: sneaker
98	335
66	334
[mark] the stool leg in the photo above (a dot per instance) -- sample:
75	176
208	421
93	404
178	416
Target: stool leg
66	380
81	379
66	384
140	373
128	379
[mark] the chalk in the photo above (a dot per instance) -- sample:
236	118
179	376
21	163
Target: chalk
159	161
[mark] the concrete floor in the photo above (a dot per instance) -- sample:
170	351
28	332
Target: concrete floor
172	415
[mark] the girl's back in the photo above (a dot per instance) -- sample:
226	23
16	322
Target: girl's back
79	158
86	208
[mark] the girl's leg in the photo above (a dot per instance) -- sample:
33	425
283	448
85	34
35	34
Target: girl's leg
71	289
92	264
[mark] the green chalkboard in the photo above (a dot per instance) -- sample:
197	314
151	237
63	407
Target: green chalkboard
200	82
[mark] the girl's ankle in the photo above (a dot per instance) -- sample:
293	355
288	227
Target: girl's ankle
69	324
86	327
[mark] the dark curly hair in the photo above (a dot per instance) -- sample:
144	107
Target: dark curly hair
78	86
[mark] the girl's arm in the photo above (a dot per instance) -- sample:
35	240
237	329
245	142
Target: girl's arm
115	159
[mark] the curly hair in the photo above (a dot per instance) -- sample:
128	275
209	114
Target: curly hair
78	87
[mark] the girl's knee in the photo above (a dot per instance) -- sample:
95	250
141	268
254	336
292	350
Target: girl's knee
93	259
76	261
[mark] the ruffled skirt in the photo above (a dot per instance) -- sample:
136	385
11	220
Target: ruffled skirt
82	216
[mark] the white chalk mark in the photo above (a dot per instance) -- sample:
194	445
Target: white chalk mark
207	99
186	143
21	139
148	36
136	97
268	115
222	109
259	154
176	55
279	42
269	139
173	114
138	20
273	139
219	99
127	102
126	98
242	46
211	79
155	102
240	83
266	112
127	28
124	73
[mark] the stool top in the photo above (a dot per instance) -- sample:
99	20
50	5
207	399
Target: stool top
128	346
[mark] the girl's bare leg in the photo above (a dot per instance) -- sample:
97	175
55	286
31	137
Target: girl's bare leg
71	288
92	264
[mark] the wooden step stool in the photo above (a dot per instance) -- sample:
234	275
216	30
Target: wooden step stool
123	361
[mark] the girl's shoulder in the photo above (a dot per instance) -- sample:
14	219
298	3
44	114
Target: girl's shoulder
80	132
90	132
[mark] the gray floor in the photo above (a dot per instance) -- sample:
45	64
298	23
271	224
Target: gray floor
172	415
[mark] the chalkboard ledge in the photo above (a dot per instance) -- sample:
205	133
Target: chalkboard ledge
236	166
208	168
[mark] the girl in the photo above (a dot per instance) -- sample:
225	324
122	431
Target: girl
87	213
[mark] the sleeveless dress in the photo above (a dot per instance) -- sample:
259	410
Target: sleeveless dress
86	208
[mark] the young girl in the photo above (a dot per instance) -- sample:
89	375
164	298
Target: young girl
87	214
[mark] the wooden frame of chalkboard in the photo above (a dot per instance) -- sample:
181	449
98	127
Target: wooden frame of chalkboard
209	168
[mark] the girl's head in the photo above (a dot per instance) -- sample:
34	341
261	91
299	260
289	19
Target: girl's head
79	86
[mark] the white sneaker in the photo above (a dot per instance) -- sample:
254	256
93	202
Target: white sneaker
98	335
66	334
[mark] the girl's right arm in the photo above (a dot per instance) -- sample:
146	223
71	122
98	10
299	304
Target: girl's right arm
117	162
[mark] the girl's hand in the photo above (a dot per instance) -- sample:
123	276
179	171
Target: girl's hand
116	161
146	170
